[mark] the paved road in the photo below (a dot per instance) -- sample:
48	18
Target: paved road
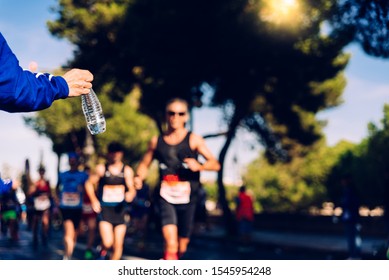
23	249
209	245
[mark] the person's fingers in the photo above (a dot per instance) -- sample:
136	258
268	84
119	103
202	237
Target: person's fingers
78	74
89	76
78	91
85	75
87	85
138	183
97	208
80	84
79	81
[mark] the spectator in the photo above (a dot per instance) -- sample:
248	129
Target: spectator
244	215
24	91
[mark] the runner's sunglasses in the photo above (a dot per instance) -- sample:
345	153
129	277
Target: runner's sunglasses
171	113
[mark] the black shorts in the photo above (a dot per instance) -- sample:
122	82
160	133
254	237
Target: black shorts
72	214
113	214
181	215
39	213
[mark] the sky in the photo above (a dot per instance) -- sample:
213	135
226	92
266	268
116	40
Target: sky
23	24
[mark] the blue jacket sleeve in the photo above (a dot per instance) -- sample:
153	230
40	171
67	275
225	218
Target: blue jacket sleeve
24	91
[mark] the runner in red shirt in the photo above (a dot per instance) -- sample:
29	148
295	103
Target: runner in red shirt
41	196
244	214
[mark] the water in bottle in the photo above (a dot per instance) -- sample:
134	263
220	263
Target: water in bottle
93	113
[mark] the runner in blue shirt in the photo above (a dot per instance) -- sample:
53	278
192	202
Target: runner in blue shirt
70	189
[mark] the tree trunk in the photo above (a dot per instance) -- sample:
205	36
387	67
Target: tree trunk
228	217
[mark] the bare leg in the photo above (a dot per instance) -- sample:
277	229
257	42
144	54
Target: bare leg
170	235
106	233
183	245
92	224
118	243
45	225
70	237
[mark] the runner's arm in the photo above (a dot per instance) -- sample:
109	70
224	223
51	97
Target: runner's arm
143	167
129	178
92	181
198	144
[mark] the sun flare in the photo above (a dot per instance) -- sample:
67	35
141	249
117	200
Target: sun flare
281	12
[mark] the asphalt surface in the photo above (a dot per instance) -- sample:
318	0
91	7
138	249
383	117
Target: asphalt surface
210	244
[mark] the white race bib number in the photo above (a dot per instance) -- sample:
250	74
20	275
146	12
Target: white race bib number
42	202
71	199
175	192
113	193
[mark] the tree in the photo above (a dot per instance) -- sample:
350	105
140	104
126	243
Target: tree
256	68
133	129
256	65
66	135
373	164
365	22
124	122
367	163
296	185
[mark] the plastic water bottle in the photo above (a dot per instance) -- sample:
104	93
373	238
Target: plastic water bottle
93	112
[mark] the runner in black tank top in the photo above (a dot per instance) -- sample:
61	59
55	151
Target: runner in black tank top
177	152
111	193
171	160
178	186
115	188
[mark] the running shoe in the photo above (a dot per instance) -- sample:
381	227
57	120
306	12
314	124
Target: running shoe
103	255
89	255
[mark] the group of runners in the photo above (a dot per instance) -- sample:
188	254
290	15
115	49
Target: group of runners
99	197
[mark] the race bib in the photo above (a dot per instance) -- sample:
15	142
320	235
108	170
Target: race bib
175	192
113	193
42	202
70	199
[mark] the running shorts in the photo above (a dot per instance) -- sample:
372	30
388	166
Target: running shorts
73	214
113	215
181	215
9	215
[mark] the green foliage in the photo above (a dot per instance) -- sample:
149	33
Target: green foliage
285	72
367	163
315	178
63	123
365	22
212	191
373	164
296	185
133	129
93	27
